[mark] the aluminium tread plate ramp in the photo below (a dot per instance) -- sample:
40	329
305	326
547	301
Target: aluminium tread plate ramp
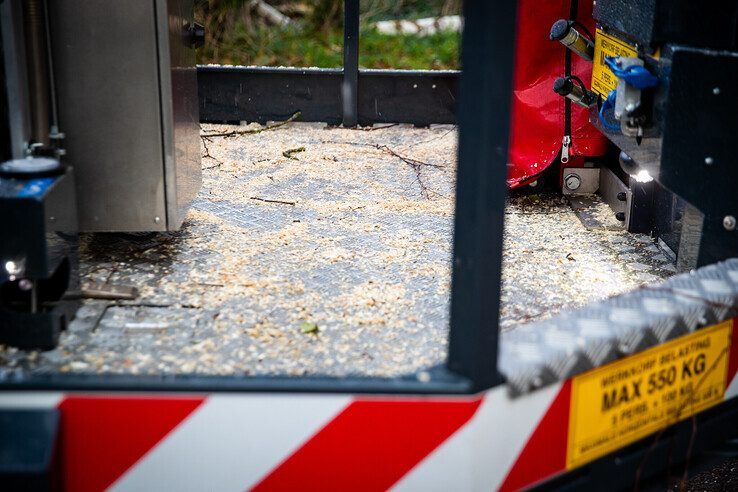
558	348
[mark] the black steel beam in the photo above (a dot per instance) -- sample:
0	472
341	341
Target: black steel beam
261	94
350	84
484	128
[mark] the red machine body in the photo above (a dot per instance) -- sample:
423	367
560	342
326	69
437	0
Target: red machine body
538	113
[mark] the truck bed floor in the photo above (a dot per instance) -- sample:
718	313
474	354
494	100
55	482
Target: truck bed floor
314	250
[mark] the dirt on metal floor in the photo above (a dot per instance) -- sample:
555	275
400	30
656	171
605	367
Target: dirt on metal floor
314	250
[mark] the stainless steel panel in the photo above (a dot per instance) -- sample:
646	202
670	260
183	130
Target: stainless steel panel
180	108
131	130
106	68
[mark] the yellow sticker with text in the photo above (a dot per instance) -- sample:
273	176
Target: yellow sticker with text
617	404
603	80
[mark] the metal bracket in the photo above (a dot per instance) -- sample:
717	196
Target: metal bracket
581	180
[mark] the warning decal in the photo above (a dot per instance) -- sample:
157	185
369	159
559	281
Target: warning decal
603	80
619	403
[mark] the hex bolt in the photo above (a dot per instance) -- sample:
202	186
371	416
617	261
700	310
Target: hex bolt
622	196
729	223
572	182
620	216
709	161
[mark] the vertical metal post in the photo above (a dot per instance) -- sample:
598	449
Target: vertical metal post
484	127
350	85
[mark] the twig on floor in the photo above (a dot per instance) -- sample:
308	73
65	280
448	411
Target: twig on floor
267	200
207	154
405	159
434	138
374	128
289	153
416	165
255	130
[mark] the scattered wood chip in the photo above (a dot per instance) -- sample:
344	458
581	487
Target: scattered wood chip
308	327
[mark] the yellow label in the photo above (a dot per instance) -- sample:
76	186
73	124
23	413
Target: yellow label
617	404
603	80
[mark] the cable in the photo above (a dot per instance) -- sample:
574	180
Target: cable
609	103
579	82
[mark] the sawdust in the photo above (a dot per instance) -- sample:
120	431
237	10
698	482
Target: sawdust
350	237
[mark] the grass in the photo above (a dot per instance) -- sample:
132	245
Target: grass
297	47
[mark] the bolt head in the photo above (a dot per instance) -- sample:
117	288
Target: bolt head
729	223
709	161
157	219
716	90
572	182
25	285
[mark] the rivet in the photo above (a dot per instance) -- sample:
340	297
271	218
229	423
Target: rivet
709	161
157	219
729	223
716	90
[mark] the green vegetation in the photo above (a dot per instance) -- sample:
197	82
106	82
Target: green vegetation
314	37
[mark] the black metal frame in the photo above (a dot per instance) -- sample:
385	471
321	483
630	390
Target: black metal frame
262	94
330	95
487	52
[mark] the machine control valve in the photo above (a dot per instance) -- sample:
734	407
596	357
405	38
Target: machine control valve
573	88
565	32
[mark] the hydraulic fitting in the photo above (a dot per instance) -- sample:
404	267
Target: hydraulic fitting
565	33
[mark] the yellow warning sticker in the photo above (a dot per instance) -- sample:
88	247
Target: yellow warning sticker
603	80
619	403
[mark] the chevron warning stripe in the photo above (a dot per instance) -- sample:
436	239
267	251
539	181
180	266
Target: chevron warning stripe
243	441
